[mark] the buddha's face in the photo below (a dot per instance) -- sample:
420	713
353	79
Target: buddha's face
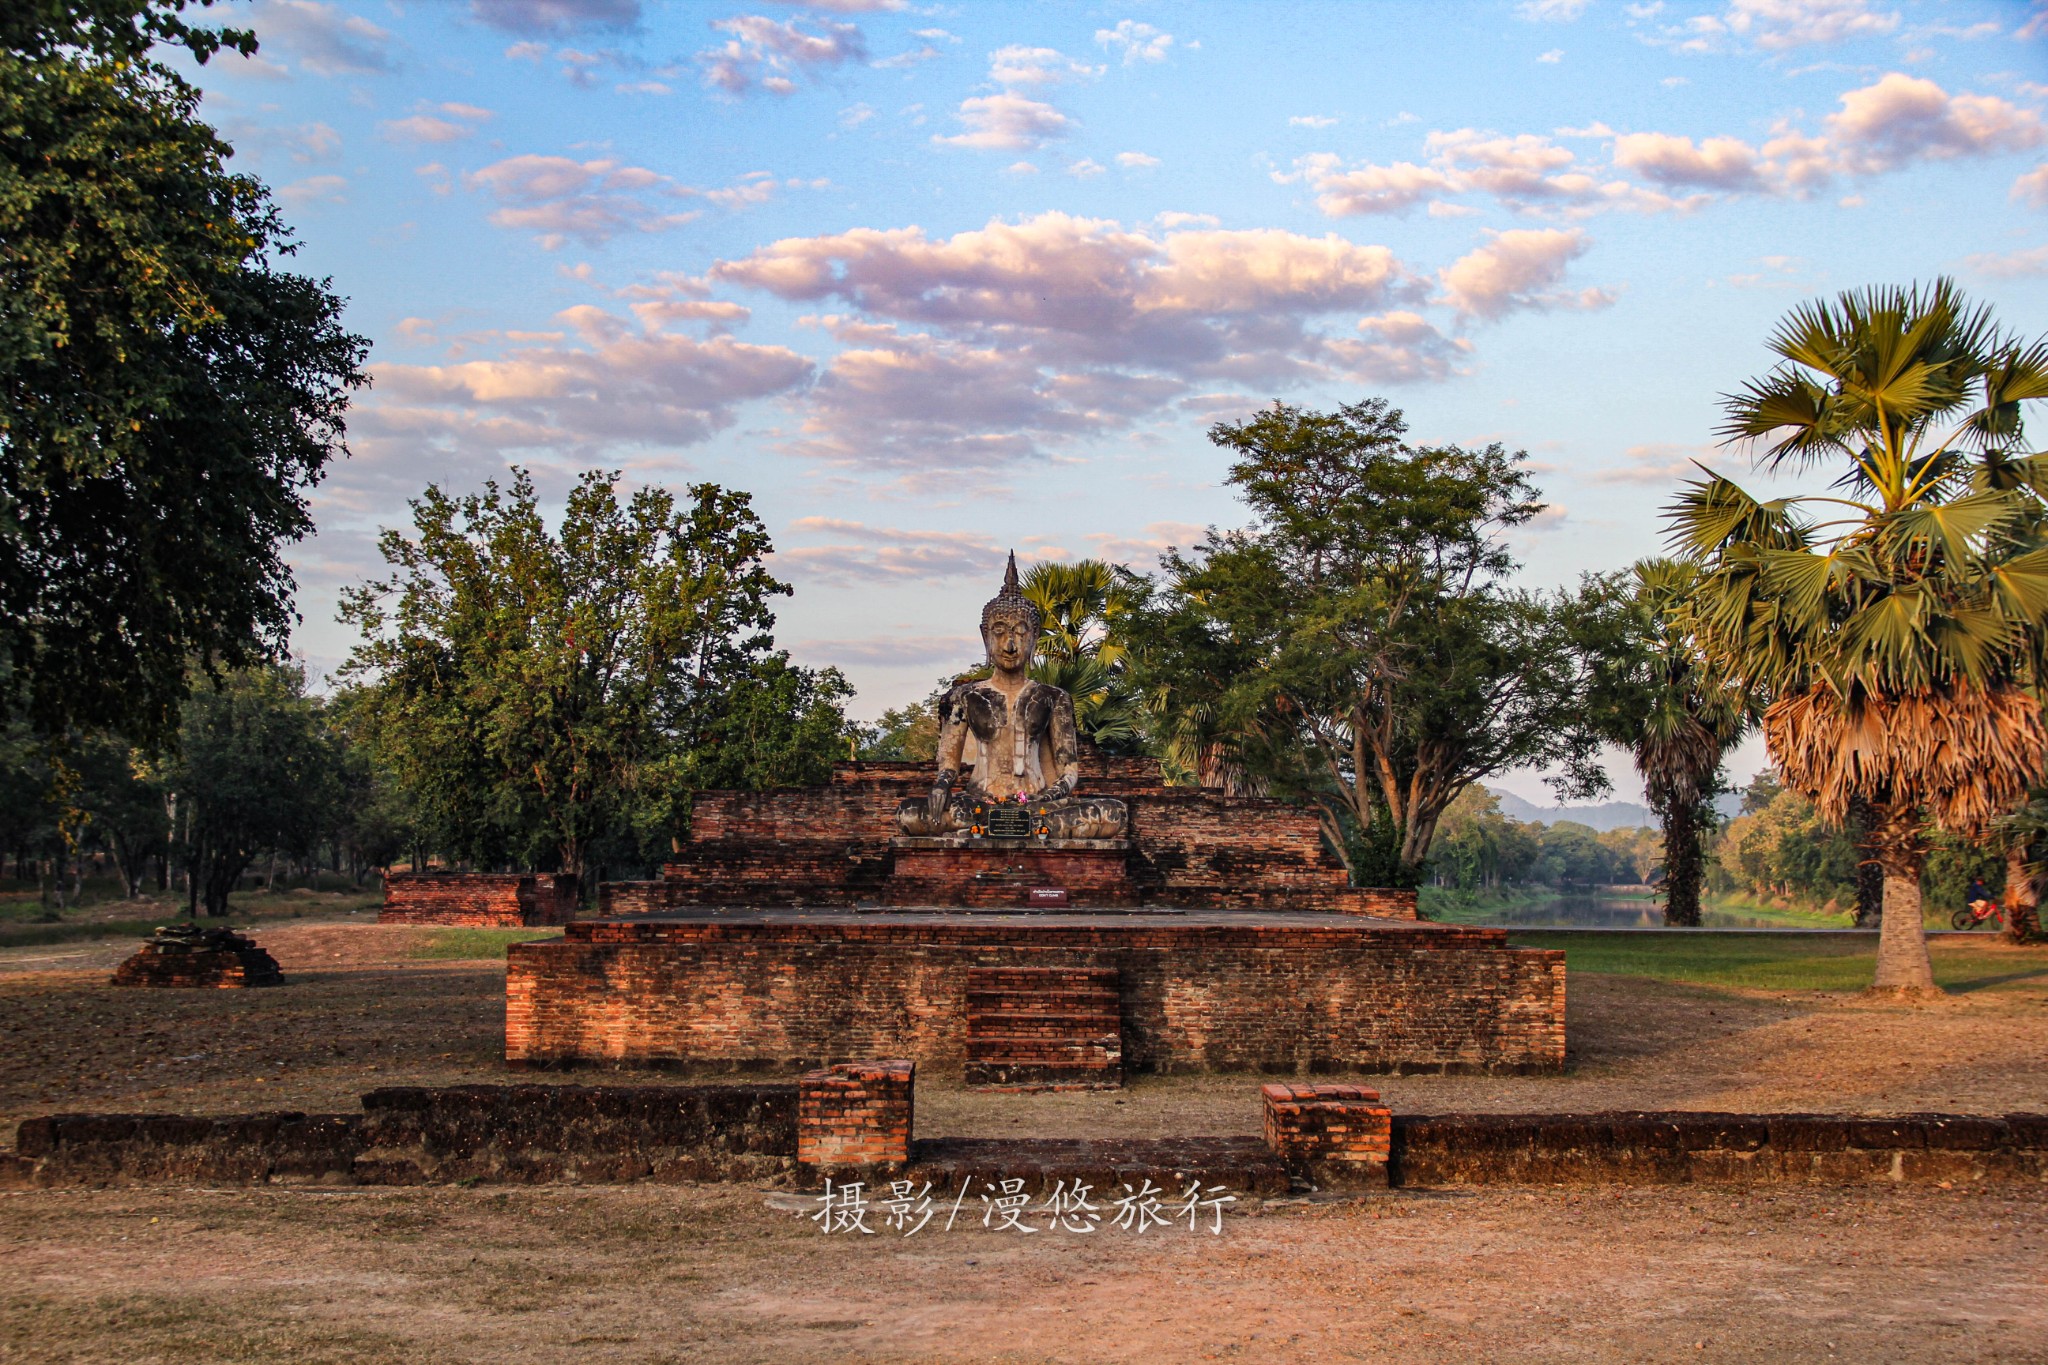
1009	643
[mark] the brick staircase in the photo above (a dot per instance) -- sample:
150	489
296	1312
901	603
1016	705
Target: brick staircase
1044	1028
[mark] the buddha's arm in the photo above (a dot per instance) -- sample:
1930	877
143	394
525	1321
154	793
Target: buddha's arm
952	739
1066	748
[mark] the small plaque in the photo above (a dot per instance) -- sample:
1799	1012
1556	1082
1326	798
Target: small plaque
1048	895
1009	821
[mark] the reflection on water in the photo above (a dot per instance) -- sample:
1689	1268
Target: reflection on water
1613	912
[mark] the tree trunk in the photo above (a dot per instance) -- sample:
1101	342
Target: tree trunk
1903	967
1681	864
1869	874
2022	899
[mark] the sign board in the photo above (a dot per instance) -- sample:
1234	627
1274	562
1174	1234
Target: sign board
1048	895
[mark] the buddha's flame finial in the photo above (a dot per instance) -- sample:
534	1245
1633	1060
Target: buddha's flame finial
1011	602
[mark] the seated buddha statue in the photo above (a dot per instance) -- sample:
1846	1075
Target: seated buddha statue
1009	741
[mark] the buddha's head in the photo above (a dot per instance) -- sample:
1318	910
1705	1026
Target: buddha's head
1009	625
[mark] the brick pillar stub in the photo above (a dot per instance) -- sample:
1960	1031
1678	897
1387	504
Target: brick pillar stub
855	1114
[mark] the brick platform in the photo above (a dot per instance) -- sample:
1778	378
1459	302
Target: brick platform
834	845
193	957
488	900
1003	873
855	1114
1044	1028
1334	1134
1220	991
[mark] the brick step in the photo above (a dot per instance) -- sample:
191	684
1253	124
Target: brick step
1037	1014
1048	1051
1043	1005
1104	978
1042	1076
1108	1002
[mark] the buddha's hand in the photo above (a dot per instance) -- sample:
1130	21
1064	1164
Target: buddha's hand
1058	791
941	796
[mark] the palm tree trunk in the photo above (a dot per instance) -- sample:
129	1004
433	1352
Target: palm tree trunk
2022	900
1869	875
1903	967
1681	864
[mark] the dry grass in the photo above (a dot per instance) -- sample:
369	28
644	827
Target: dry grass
647	1274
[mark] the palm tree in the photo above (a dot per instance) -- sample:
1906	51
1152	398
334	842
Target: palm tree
1895	626
1686	716
1081	650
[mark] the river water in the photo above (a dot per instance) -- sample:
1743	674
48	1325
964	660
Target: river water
1619	912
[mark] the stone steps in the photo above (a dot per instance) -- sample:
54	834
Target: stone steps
1044	1028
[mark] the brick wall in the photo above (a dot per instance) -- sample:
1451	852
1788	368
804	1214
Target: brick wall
1334	1134
983	877
1315	995
1681	1148
499	1134
1190	848
855	1114
508	900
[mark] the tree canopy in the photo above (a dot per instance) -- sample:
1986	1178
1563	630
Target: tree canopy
168	391
1359	644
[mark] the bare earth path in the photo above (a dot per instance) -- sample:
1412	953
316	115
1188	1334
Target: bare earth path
645	1274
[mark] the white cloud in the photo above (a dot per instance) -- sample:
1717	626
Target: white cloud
1011	66
435	123
2032	187
2011	264
881	554
1132	161
315	189
1770	25
1552	57
1902	118
1007	121
1312	121
854	115
764	53
593	201
1550	11
325	41
994	345
618	386
555	16
1086	168
1137	42
1722	163
1517	271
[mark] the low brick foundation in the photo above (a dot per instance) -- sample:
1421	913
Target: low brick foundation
1332	1134
487	900
530	1134
191	957
496	1134
1283	995
1681	1148
855	1114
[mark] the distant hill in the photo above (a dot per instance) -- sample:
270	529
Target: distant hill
1609	815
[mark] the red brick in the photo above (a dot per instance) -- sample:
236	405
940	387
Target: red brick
508	900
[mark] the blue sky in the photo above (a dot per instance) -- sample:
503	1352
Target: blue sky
935	281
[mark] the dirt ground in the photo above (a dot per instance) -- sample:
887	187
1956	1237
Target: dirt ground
643	1273
360	1011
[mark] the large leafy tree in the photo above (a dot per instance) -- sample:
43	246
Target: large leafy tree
1359	642
535	691
255	770
1656	695
168	391
1894	627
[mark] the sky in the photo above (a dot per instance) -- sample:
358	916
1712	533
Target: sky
935	282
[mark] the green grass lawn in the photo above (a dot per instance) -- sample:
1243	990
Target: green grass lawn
470	945
25	921
1779	962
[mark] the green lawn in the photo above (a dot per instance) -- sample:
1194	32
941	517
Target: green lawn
1778	962
472	945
